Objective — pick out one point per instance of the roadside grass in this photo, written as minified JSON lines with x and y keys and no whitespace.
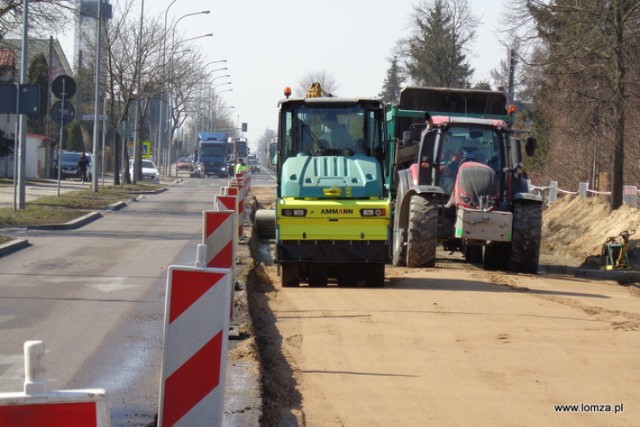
{"x":70,"y":205}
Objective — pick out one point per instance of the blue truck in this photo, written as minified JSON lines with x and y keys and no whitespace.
{"x":211,"y":155}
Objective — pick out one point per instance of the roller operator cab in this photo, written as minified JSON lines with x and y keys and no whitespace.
{"x":332,"y":218}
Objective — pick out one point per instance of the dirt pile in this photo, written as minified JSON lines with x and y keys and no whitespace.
{"x":576,"y":227}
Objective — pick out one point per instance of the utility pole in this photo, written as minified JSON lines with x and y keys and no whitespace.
{"x":22,"y":118}
{"x":96,"y":104}
{"x":136,"y":135}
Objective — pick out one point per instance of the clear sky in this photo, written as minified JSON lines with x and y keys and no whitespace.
{"x":272,"y":44}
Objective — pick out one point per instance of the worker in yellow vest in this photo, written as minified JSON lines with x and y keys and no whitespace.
{"x":241,"y":167}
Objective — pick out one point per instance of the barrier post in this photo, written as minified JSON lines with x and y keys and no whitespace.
{"x":583,"y":187}
{"x":553,"y":191}
{"x":630,"y":195}
{"x":37,"y":406}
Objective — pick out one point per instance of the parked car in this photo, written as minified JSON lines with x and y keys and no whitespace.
{"x":69,"y":161}
{"x":184,"y":164}
{"x":149,"y":171}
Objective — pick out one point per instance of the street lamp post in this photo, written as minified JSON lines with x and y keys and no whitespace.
{"x":172,"y":119}
{"x":211,"y":99}
{"x":163,"y":146}
{"x":212,"y":96}
{"x":162,"y":88}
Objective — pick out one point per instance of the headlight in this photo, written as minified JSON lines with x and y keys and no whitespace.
{"x":373,"y":212}
{"x":294,"y":212}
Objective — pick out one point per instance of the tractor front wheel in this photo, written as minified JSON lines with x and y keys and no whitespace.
{"x":422,"y":233}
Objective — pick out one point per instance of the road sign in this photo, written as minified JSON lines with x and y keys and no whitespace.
{"x":63,"y":116}
{"x":101,"y":117}
{"x":29,"y":99}
{"x":63,"y":85}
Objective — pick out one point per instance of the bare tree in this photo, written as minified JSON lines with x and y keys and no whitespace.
{"x":327,"y":83}
{"x":590,"y":47}
{"x":126,"y":65}
{"x":45,"y":16}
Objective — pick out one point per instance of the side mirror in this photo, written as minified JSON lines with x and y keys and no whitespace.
{"x":530,"y":146}
{"x":274,"y":159}
{"x":515,"y":147}
{"x":407,"y":138}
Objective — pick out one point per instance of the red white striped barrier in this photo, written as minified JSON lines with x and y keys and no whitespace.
{"x":235,"y":191}
{"x":225,"y":203}
{"x":245,"y":180}
{"x":219,"y":237}
{"x":38,"y":406}
{"x":218,"y":234}
{"x":195,"y":346}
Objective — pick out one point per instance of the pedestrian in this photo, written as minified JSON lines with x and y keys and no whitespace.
{"x":83,"y":163}
{"x":241,"y":167}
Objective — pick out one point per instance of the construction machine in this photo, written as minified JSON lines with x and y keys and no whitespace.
{"x":459,"y":180}
{"x":331,"y":221}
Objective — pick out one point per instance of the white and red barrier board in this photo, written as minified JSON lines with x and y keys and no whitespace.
{"x":235,"y":191}
{"x":195,"y":346}
{"x":225,"y":203}
{"x":54,"y":409}
{"x":219,"y":236}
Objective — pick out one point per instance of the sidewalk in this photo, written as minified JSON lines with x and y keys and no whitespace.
{"x":36,"y":188}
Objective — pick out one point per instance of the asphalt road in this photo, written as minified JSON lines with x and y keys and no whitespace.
{"x":95,"y":296}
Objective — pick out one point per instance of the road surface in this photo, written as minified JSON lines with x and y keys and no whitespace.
{"x":451,"y":345}
{"x":95,"y":296}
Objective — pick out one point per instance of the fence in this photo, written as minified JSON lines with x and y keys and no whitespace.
{"x":550,"y":193}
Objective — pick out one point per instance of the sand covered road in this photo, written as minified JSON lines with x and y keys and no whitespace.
{"x":458,"y":347}
{"x":453,"y":345}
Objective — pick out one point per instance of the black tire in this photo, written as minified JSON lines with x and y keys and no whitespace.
{"x":318,"y":275}
{"x":374,"y":275}
{"x":265,"y":224}
{"x":422,"y":234}
{"x":526,"y":237}
{"x":473,"y":254}
{"x":347,"y":275}
{"x":399,"y":258}
{"x":290,"y":275}
{"x":399,"y":255}
{"x":496,"y":256}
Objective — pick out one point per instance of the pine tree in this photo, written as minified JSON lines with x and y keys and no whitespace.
{"x":39,"y":75}
{"x":435,"y":54}
{"x":392,"y":83}
{"x":74,"y":139}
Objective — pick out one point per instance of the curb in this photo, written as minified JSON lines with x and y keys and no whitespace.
{"x":18,"y":244}
{"x":13,"y":245}
{"x":623,"y":277}
{"x":71,"y":225}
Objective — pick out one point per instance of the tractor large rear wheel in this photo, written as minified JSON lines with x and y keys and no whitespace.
{"x":526,"y":237}
{"x":422,"y":233}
